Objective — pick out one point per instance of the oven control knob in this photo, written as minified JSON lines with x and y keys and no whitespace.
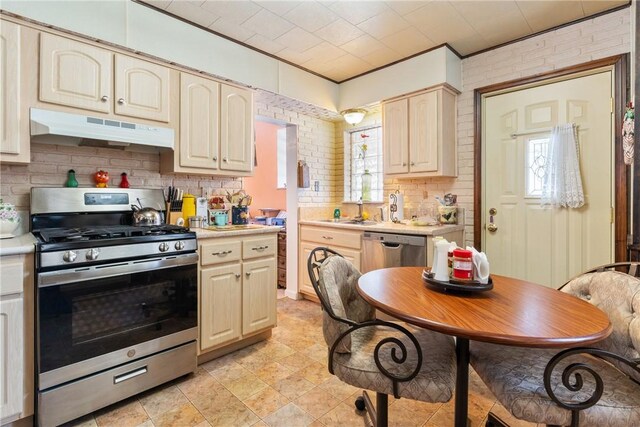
{"x":92,"y":254}
{"x":164,"y":247}
{"x":69,"y":256}
{"x":179,"y":246}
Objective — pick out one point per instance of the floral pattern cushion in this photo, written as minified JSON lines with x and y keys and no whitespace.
{"x":337,"y":280}
{"x":435,"y":381}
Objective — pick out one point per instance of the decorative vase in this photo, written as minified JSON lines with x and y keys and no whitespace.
{"x":71,"y":179}
{"x":366,"y":186}
{"x":9,"y":220}
{"x":124,"y":182}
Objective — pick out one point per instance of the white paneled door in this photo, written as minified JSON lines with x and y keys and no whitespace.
{"x":543,"y":244}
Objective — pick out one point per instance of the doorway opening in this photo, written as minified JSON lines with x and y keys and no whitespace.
{"x":274,"y":191}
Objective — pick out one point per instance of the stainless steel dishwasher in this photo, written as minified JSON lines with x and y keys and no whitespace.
{"x":381,"y":250}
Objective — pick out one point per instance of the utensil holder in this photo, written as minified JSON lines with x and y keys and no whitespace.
{"x":172,"y":216}
{"x":239,"y":215}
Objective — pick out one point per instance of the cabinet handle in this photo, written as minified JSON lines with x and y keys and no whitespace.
{"x":104,"y":98}
{"x":120,"y":101}
{"x":327,"y":237}
{"x":259,"y":248}
{"x":238,"y":275}
{"x":215,"y":158}
{"x":224,"y":159}
{"x":404,"y":164}
{"x":248,"y":273}
{"x":413,"y":163}
{"x":221,"y":253}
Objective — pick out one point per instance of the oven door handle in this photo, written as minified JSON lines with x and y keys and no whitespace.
{"x":83,"y":274}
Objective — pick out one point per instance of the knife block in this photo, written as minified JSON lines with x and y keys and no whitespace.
{"x":173,"y":216}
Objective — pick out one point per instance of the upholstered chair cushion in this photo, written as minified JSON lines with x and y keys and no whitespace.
{"x":435,"y":381}
{"x":337,"y":281}
{"x":515,"y":376}
{"x":618,"y":295}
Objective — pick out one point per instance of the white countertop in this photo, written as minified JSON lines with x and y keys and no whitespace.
{"x":390,"y":227}
{"x":22,"y":244}
{"x":204,"y":233}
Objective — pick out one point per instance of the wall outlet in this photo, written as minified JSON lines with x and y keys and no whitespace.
{"x":316,"y":186}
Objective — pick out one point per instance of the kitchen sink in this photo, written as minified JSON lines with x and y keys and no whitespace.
{"x":349,"y":221}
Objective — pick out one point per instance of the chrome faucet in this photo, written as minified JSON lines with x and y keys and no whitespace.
{"x":360,"y":208}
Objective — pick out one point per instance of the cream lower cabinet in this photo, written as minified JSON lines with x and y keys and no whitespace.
{"x":347,"y":243}
{"x":419,"y":134}
{"x":16,"y":337}
{"x":237,"y":289}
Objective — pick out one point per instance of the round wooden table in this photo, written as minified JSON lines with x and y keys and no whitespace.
{"x":514,"y":312}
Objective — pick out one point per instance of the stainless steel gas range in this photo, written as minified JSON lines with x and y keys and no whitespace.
{"x":116,"y":304}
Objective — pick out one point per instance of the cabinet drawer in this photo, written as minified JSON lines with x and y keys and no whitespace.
{"x":217,"y":252}
{"x":11,"y":275}
{"x":331,"y":237}
{"x":258,"y":247}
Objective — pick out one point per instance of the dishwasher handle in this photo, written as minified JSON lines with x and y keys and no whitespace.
{"x":392,"y":246}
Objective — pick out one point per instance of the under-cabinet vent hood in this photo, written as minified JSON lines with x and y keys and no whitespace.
{"x":64,"y":128}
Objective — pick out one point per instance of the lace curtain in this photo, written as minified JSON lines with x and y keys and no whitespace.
{"x":562,"y":181}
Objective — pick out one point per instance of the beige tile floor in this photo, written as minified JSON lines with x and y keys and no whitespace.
{"x":281,"y":382}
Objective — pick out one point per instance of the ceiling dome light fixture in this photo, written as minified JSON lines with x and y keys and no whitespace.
{"x":353,"y":116}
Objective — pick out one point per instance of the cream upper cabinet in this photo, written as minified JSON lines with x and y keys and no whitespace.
{"x":259,"y":286}
{"x":423,"y":130}
{"x":141,"y":89}
{"x":395,"y":139}
{"x":199,"y":122}
{"x":236,"y":129}
{"x":75,"y":74}
{"x":419,"y":134}
{"x":87,"y":77}
{"x":14,"y":144}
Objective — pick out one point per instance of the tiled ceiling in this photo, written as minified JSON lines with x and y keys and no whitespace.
{"x":343,"y":39}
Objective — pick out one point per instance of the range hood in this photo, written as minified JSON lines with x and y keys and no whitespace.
{"x":63,"y":128}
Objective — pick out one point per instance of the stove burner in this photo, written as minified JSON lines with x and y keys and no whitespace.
{"x":61,"y":235}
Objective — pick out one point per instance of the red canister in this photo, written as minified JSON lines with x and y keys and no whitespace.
{"x":462,"y":264}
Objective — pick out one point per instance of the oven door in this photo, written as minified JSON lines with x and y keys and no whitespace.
{"x":94,"y":318}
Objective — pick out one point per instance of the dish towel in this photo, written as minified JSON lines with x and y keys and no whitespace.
{"x":562,"y":181}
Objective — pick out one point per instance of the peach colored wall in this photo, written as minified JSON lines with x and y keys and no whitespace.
{"x":262,"y":185}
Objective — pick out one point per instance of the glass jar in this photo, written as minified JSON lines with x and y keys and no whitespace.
{"x":366,"y":186}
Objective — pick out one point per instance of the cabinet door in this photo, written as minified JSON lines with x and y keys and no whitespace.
{"x":258,"y":295}
{"x":11,"y":359}
{"x":10,"y":140}
{"x":236,"y":129}
{"x":199,"y":122}
{"x":395,"y":136}
{"x":423,"y":132}
{"x":305,"y":249}
{"x":75,"y":74}
{"x":141,"y":89}
{"x":220,"y":303}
